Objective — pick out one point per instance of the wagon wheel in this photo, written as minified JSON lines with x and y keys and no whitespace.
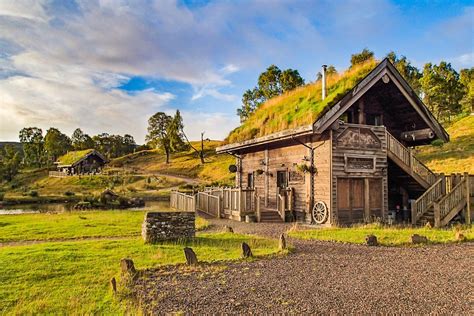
{"x":320,"y":212}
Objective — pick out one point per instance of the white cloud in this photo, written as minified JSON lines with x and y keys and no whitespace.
{"x":215,"y":125}
{"x":464,"y":60}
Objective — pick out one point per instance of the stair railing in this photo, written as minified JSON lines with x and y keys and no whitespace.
{"x":450,"y":201}
{"x":425,"y":201}
{"x":406,"y":156}
{"x":281,"y":202}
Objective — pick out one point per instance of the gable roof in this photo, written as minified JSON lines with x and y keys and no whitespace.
{"x":331,"y":113}
{"x":74,"y":157}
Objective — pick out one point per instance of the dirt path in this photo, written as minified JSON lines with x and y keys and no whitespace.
{"x":319,"y":277}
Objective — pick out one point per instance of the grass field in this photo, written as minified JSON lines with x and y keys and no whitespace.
{"x":455,"y":156}
{"x":386,"y":236}
{"x":72,"y":277}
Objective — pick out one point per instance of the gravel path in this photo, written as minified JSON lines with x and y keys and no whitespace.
{"x":318,"y":277}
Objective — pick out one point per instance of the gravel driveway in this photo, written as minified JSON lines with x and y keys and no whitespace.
{"x":318,"y":277}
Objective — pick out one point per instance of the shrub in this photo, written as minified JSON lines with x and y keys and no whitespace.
{"x":131,"y":189}
{"x":437,"y":143}
{"x":33,"y":193}
{"x":69,"y":193}
{"x":2,"y":194}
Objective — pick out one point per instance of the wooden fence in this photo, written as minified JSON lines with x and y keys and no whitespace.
{"x":182,"y":201}
{"x":58,"y":174}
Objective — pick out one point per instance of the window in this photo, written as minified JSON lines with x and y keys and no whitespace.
{"x":374,"y":119}
{"x":250,"y":183}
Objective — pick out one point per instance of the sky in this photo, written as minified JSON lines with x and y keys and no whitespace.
{"x":107,"y":66}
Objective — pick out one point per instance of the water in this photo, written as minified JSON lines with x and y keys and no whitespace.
{"x":68,"y":207}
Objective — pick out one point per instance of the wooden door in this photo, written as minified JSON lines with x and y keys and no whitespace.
{"x":375,"y":197}
{"x":350,"y":200}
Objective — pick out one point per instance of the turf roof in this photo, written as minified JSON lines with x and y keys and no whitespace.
{"x":299,"y":107}
{"x":73,"y":157}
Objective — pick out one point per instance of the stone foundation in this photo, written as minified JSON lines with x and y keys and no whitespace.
{"x":161,"y":226}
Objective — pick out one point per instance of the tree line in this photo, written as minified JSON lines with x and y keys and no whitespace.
{"x":41,"y":151}
{"x":445,"y":92}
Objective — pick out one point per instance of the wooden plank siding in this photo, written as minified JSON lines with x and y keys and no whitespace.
{"x":285,"y":158}
{"x":346,"y":148}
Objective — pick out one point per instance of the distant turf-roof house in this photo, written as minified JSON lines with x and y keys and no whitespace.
{"x":340,"y":157}
{"x":80,"y":162}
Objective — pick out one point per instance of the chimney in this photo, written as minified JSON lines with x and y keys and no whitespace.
{"x":323,"y":72}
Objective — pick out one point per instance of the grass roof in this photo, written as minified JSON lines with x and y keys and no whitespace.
{"x":73,"y":156}
{"x":299,"y":107}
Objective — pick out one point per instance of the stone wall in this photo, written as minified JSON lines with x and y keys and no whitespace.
{"x":160,"y":226}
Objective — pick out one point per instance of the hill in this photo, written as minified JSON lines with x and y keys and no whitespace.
{"x":301,"y":106}
{"x":185,"y":164}
{"x":455,"y":156}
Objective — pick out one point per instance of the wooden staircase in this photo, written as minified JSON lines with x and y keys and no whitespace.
{"x":270,"y":216}
{"x":444,"y":197}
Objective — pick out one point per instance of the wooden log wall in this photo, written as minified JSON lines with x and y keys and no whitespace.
{"x":359,"y":172}
{"x":285,"y":158}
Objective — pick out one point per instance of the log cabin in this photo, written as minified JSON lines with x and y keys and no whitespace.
{"x":79,"y":162}
{"x":353,"y":164}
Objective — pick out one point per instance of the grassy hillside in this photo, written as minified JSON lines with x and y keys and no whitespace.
{"x":455,"y":156}
{"x":182,"y":164}
{"x":144,"y":173}
{"x":299,"y":107}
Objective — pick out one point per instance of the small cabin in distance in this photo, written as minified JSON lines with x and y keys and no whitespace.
{"x":353,"y":164}
{"x":79,"y":162}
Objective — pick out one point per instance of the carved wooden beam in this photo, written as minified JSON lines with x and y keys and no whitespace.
{"x":417,"y":135}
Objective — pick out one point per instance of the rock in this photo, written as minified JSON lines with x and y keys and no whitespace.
{"x":246,"y":252}
{"x":282,"y":242}
{"x":228,"y":229}
{"x":191,"y":258}
{"x":460,"y":236}
{"x":371,"y":240}
{"x":113,"y":283}
{"x":418,"y":239}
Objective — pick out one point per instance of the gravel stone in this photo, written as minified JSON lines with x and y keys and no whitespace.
{"x":317,"y":278}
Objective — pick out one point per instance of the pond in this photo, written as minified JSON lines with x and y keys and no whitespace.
{"x":67,"y":207}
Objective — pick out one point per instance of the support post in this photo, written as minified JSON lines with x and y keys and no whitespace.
{"x":366,"y":199}
{"x":437,"y":215}
{"x":413,"y":212}
{"x":468,"y":199}
{"x":443,"y":184}
{"x":218,"y":206}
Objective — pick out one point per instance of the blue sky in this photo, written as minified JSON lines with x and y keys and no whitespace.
{"x":106,"y":66}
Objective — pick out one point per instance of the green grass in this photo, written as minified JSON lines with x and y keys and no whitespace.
{"x":185,"y":163}
{"x":299,"y":107}
{"x":73,"y":156}
{"x":386,"y":236}
{"x":69,"y":225}
{"x":455,"y":156}
{"x":73,"y":277}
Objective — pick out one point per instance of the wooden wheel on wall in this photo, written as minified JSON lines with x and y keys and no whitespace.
{"x":320,"y":212}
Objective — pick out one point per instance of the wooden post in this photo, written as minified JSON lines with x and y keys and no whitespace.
{"x":468,"y":199}
{"x":443,"y":184}
{"x":366,"y":199}
{"x":437,"y":215}
{"x":218,"y":206}
{"x":258,"y":208}
{"x":413,"y":212}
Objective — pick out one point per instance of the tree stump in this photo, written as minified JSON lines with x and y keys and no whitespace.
{"x":418,"y":239}
{"x":246,"y":252}
{"x":228,"y":229}
{"x":190,"y":255}
{"x":113,"y":283}
{"x":371,"y":240}
{"x":282,"y":242}
{"x":460,"y":236}
{"x":129,"y":273}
